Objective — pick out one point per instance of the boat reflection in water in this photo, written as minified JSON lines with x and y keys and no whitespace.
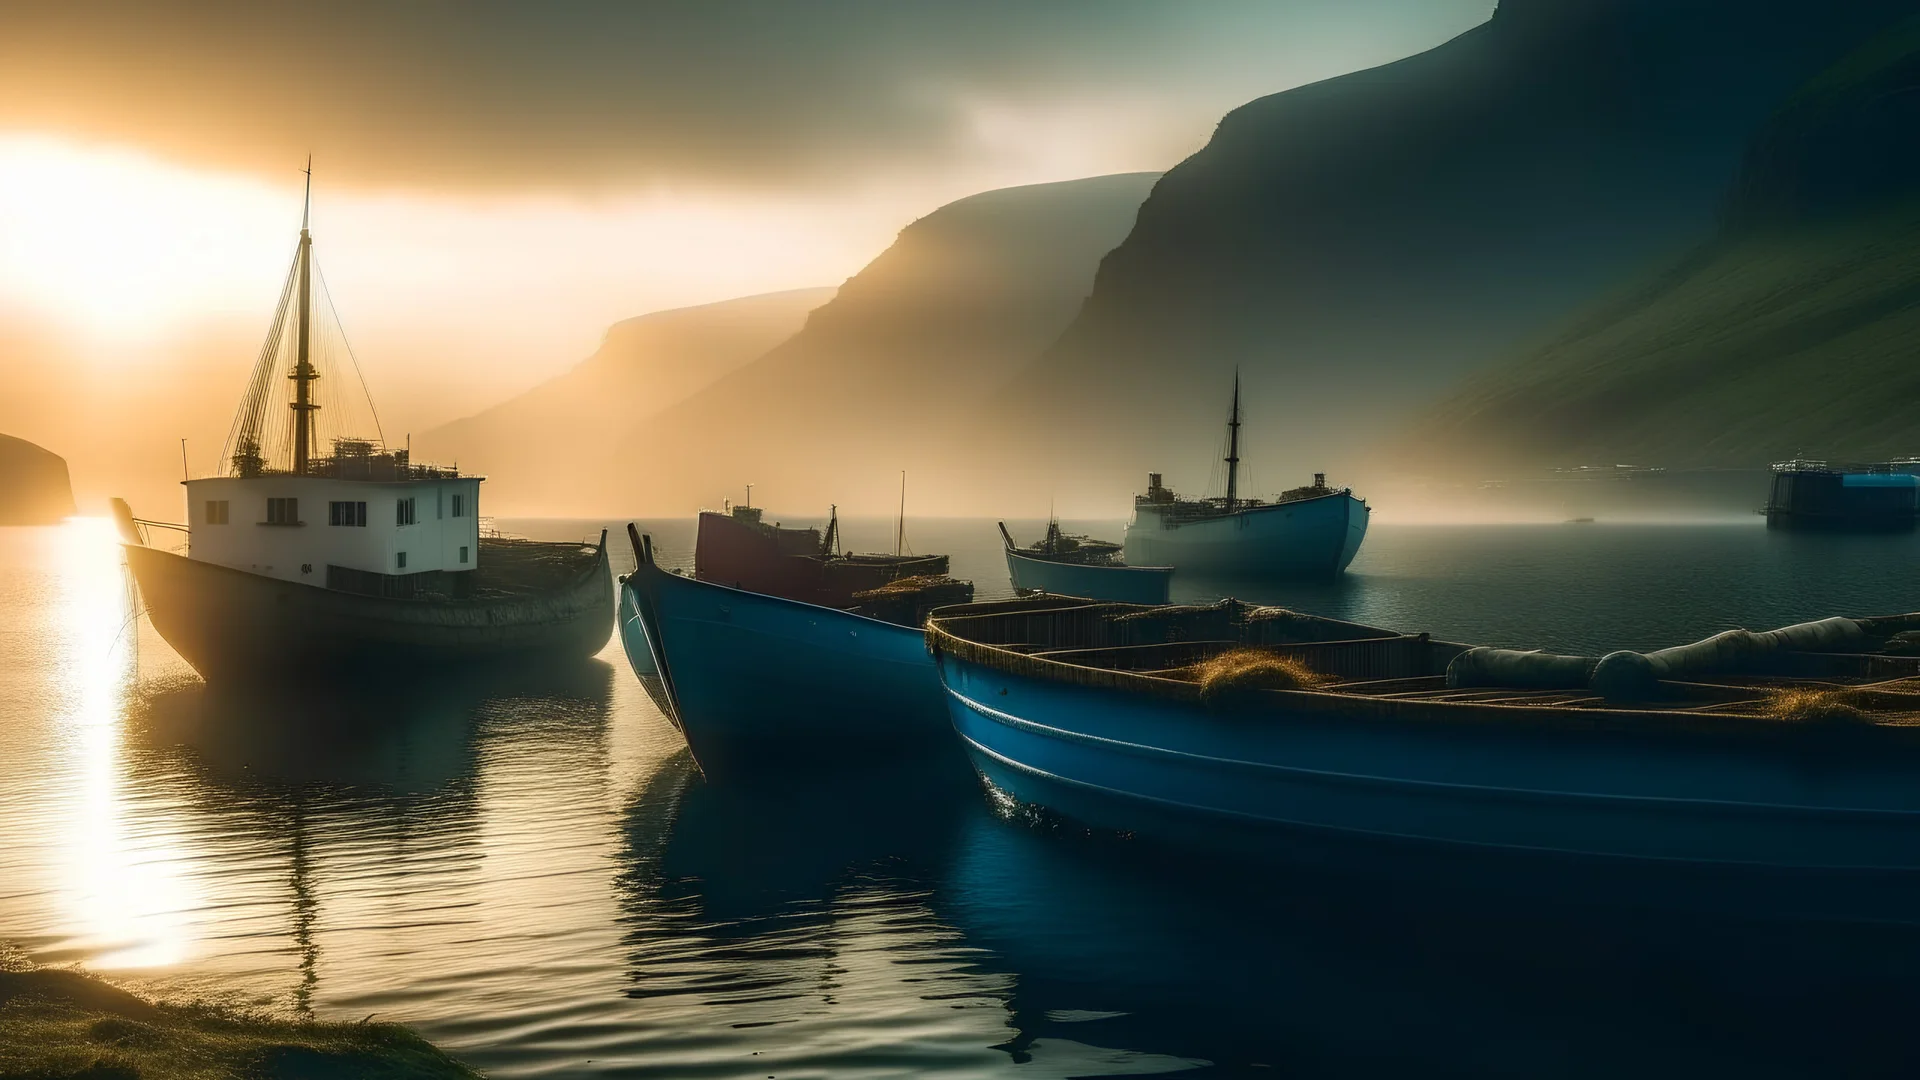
{"x":841,"y":922}
{"x":332,"y":829}
{"x":795,"y":922}
{"x":1309,"y":970}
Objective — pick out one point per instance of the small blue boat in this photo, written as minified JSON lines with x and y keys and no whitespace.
{"x":1079,"y":566}
{"x":747,"y":676}
{"x":1787,"y":758}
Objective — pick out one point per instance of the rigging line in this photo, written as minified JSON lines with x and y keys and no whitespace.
{"x":138,"y":611}
{"x":247,"y":422}
{"x":351,"y":358}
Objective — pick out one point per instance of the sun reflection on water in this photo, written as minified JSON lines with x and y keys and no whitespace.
{"x":129,"y":891}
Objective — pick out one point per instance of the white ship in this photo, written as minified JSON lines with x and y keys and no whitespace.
{"x":302,"y":562}
{"x":1312,"y":531}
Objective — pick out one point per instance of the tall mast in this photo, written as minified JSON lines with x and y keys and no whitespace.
{"x":303,"y":373}
{"x":900,"y":533}
{"x":1233,"y":445}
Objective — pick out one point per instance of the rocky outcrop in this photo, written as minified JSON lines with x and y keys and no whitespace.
{"x":34,"y":486}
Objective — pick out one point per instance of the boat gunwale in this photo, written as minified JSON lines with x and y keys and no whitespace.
{"x":1350,"y":707}
{"x":600,"y":567}
{"x":1031,"y":557}
{"x":1241,"y":511}
{"x":690,"y":579}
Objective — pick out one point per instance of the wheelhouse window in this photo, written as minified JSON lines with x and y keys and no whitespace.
{"x":216,"y":511}
{"x":403,"y":512}
{"x":347,"y":513}
{"x":283,"y":511}
{"x":463,"y":549}
{"x":459,"y":505}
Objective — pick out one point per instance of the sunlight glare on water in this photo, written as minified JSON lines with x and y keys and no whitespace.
{"x":124,"y":876}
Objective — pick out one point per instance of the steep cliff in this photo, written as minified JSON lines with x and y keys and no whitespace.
{"x":1355,"y":245}
{"x":896,"y":371}
{"x":1792,"y":331}
{"x":548,"y":449}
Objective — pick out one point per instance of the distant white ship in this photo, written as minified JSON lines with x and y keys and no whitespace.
{"x":1312,"y":531}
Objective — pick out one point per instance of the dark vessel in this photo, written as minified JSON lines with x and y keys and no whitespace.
{"x":739,"y":549}
{"x":395,"y":573}
{"x":1883,"y":496}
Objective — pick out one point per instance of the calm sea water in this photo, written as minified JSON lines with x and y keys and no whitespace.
{"x":528,"y":868}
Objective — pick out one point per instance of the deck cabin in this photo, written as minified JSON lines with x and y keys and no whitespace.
{"x":362,"y":520}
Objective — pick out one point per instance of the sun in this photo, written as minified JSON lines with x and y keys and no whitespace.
{"x":114,"y":243}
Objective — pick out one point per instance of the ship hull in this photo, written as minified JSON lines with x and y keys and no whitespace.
{"x":788,"y":563}
{"x":1625,"y":818}
{"x":1315,"y":537}
{"x":234,"y":627}
{"x":755,"y":678}
{"x":1123,"y":584}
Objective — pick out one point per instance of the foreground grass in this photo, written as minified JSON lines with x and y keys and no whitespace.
{"x":56,"y":1025}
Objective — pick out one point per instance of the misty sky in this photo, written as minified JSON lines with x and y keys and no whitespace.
{"x":497,"y":183}
{"x":770,"y":94}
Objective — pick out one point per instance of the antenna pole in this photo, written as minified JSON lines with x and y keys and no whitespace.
{"x":184,"y":474}
{"x":900,"y":533}
{"x":1233,"y":445}
{"x":303,"y":373}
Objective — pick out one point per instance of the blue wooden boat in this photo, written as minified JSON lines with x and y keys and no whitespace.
{"x":1791,"y":759}
{"x":1080,"y":566}
{"x":746,"y":676}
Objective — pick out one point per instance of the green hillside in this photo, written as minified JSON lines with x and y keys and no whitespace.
{"x":1356,"y":247}
{"x":1792,"y":332}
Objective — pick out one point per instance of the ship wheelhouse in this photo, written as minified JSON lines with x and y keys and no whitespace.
{"x":415,"y":529}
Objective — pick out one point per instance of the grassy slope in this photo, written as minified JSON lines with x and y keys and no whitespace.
{"x":59,"y":1024}
{"x":1356,"y":247}
{"x":1790,"y":333}
{"x":1757,"y":348}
